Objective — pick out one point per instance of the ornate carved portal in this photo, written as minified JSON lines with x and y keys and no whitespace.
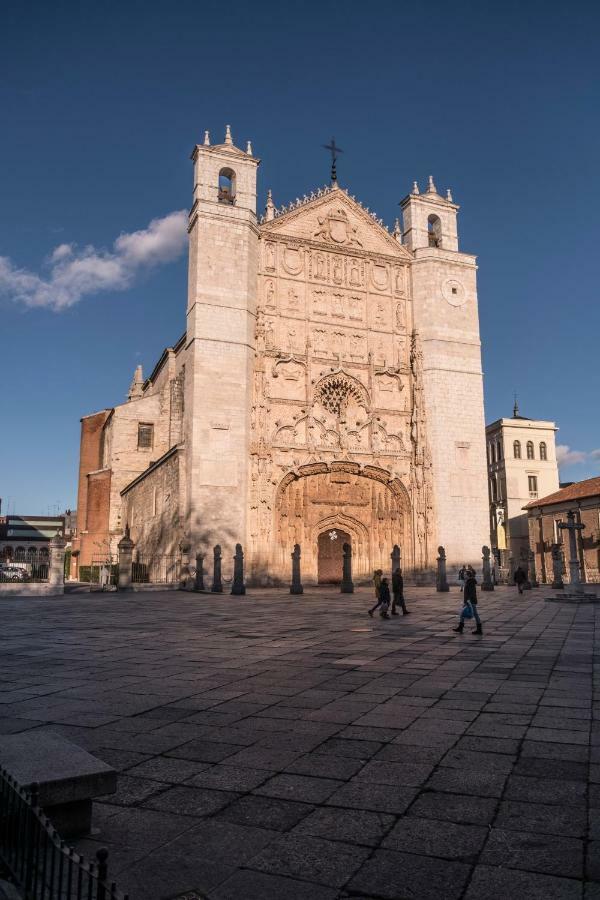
{"x":368,"y":512}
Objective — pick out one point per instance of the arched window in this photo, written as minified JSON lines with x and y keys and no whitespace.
{"x":7,"y":553}
{"x":517,"y":449}
{"x":31,"y":553}
{"x":493,"y":452}
{"x":20,"y":554}
{"x":494,"y":486}
{"x":226,"y":186}
{"x":530,"y":451}
{"x":543,"y":451}
{"x":44,"y":553}
{"x":499,"y":450}
{"x":434,"y":231}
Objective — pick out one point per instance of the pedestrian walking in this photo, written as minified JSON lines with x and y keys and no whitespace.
{"x":377,"y":574}
{"x":377,"y":579}
{"x":469,"y":609}
{"x":384,"y":598}
{"x":462,"y":574}
{"x":520,"y":578}
{"x":398,"y":592}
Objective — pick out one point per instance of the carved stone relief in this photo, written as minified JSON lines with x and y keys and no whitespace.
{"x":336,"y":228}
{"x":270,"y":301}
{"x":292,"y":261}
{"x":400,"y":315}
{"x":270,"y":256}
{"x":319,"y":302}
{"x":381,"y":347}
{"x":380,"y":276}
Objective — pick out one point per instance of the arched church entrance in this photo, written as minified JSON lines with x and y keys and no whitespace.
{"x":330,"y":555}
{"x":364,"y":505}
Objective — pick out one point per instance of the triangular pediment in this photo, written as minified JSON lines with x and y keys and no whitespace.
{"x":335,"y":220}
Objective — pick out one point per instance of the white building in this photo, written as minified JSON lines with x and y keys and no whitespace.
{"x":521,"y":455}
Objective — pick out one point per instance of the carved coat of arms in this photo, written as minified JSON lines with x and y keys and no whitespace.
{"x":336,"y":228}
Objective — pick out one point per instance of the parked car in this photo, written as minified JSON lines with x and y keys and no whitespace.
{"x":12,"y":573}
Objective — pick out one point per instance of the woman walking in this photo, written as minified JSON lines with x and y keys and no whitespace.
{"x":377,"y":585}
{"x":470,"y":604}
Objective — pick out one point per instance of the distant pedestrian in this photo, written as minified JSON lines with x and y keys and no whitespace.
{"x":470,"y":606}
{"x":377,"y":580}
{"x":384,"y":598}
{"x":398,"y":592}
{"x":462,"y":574}
{"x":520,"y":578}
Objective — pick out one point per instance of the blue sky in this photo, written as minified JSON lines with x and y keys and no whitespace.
{"x":102,"y":104}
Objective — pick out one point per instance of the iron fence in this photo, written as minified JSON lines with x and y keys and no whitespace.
{"x":156,"y":570}
{"x":38,"y":861}
{"x":21,"y":572}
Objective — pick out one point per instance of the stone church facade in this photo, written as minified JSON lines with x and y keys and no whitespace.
{"x":327,"y":389}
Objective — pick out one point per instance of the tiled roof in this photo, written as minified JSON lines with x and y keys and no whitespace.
{"x":588,"y":488}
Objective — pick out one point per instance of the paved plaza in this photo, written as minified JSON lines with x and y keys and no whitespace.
{"x":290,"y":747}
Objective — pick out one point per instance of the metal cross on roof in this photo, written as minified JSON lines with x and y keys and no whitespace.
{"x":334,"y":150}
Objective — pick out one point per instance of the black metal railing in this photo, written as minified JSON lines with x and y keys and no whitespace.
{"x":20,"y":571}
{"x":38,"y":861}
{"x":156,"y":570}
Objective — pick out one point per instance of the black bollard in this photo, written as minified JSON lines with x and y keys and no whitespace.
{"x":238,"y":586}
{"x":217,"y":584}
{"x":347,"y":587}
{"x":296,"y":585}
{"x":487,"y":584}
{"x":441,"y":581}
{"x":199,"y":579}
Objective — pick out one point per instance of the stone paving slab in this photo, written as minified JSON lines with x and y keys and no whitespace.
{"x":290,"y":747}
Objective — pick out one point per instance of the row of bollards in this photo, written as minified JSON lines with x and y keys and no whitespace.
{"x":441,"y":579}
{"x":237,"y":583}
{"x":347,"y":584}
{"x":238,"y":586}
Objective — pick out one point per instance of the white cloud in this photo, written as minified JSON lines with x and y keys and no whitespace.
{"x":595,"y":454}
{"x":74,"y":273}
{"x":567,"y":457}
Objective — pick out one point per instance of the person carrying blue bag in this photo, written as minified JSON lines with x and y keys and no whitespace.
{"x":469,"y":610}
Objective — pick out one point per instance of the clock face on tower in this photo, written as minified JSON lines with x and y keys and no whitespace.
{"x":454,"y":292}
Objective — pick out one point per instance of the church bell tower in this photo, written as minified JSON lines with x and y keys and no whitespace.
{"x":221,"y":312}
{"x":446,"y":318}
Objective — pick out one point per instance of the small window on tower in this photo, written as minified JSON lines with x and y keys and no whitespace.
{"x":517,"y":449}
{"x":530,"y":451}
{"x":533,"y":486}
{"x":543,"y":451}
{"x":145,"y":436}
{"x":226,"y":186}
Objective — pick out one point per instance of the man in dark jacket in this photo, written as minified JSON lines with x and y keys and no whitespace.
{"x":520,"y":578}
{"x":398,"y":592}
{"x":470,"y":600}
{"x":384,"y":598}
